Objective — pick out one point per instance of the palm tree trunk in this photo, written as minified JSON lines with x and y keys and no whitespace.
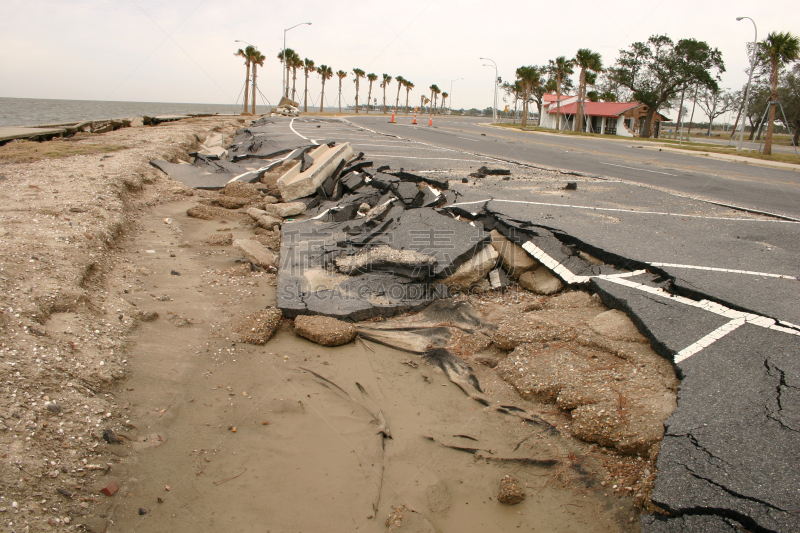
{"x":369,"y":96}
{"x":384,"y":99}
{"x":397,"y":102}
{"x":578,"y":126}
{"x":773,"y":97}
{"x":407,"y":91}
{"x":340,"y":96}
{"x":294,"y":83}
{"x":322,"y":96}
{"x":246,"y":89}
{"x":305,"y":94}
{"x":255,"y":65}
{"x":356,"y":94}
{"x":286,"y":89}
{"x":558,"y":102}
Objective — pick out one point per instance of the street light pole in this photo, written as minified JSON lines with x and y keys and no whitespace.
{"x":284,"y":77}
{"x":451,"y":93}
{"x":749,"y":78}
{"x":494,"y":109}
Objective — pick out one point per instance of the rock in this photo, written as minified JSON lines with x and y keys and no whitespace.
{"x":474,"y":270}
{"x":220,"y":239}
{"x":516,"y":261}
{"x":270,"y":200}
{"x":52,"y":407}
{"x":528,"y":328}
{"x":263,"y":219}
{"x":258,"y":328}
{"x":137,"y":122}
{"x":324,"y":330}
{"x":231,"y":202}
{"x":148,"y":316}
{"x":211,"y":212}
{"x":510,"y":492}
{"x":110,"y":437}
{"x":540,"y":281}
{"x":284,"y":210}
{"x":110,"y":489}
{"x":616,"y":325}
{"x":241,"y":189}
{"x":294,"y":185}
{"x":257,"y":253}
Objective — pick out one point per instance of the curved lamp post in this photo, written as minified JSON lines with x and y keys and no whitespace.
{"x":747,"y":88}
{"x":494,"y":109}
{"x":283,"y":74}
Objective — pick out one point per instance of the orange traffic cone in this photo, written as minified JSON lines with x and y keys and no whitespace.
{"x":392,"y":121}
{"x":415,"y":118}
{"x":430,"y":121}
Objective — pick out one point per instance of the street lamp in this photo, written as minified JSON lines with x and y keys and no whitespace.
{"x":451,"y":93}
{"x":749,"y":78}
{"x":494,"y":109}
{"x":283,"y":74}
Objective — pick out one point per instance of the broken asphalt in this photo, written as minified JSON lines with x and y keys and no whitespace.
{"x":713,"y":288}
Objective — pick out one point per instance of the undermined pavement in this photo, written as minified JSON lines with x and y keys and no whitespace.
{"x":733,"y":350}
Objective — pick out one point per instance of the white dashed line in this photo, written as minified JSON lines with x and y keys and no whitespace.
{"x":639,"y":169}
{"x":728,"y":270}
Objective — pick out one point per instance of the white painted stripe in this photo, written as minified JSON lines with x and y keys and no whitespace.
{"x":728,"y":270}
{"x":639,"y":169}
{"x":291,"y":127}
{"x":708,"y":340}
{"x":404,"y":147}
{"x":395,"y":156}
{"x":609,"y":209}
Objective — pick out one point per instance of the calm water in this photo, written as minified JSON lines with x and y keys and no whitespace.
{"x":34,"y":111}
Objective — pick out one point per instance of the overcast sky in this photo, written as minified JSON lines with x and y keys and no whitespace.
{"x":182,"y":50}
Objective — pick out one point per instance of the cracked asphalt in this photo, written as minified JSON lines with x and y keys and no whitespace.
{"x":714,"y":288}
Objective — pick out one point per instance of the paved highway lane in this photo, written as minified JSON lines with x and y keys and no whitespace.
{"x":753,"y":187}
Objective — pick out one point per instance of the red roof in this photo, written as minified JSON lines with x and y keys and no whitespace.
{"x":597,"y":109}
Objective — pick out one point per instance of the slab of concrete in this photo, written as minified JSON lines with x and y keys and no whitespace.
{"x":306,"y":183}
{"x":9,"y":133}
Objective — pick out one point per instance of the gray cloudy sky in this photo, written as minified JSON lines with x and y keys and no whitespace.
{"x":182,"y":50}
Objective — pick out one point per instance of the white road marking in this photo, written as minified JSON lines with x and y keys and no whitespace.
{"x":728,"y":270}
{"x":640,"y":169}
{"x":708,"y":340}
{"x":612,"y":209}
{"x":291,"y":126}
{"x":425,"y":158}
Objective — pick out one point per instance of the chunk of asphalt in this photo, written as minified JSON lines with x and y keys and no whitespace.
{"x":409,"y":193}
{"x":442,"y":184}
{"x":731,"y":446}
{"x":408,"y":263}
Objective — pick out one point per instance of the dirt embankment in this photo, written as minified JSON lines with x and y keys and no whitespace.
{"x":61,"y":333}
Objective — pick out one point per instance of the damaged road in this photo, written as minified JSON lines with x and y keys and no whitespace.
{"x":375,"y":243}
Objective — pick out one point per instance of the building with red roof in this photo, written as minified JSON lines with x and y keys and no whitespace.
{"x":625,"y":119}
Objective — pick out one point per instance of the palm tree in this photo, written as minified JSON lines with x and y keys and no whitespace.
{"x":308,"y":67}
{"x":408,"y":85}
{"x":561,"y":67}
{"x":528,"y":78}
{"x":435,"y":91}
{"x":325,"y":72}
{"x":444,"y":97}
{"x":386,"y":81}
{"x":295,"y":63}
{"x":359,"y":74}
{"x":341,"y":75}
{"x":371,"y":78}
{"x":778,"y":49}
{"x":284,"y":55}
{"x":247,"y":54}
{"x":400,"y":82}
{"x":591,"y":61}
{"x":257,"y":60}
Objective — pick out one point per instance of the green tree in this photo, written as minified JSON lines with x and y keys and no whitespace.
{"x":371,"y":78}
{"x":308,"y":68}
{"x":284,"y":56}
{"x":590,"y":63}
{"x":247,"y":54}
{"x":359,"y":74}
{"x":435,"y":92}
{"x":789,"y":94}
{"x":778,"y":49}
{"x":295,"y":63}
{"x":385,"y":83}
{"x":528,"y":78}
{"x":400,"y":82}
{"x":408,"y":85}
{"x":657,"y":70}
{"x":257,"y":60}
{"x":714,"y":104}
{"x":341,"y":75}
{"x":325,"y":72}
{"x":560,"y":68}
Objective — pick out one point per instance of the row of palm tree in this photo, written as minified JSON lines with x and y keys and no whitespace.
{"x":252,"y":57}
